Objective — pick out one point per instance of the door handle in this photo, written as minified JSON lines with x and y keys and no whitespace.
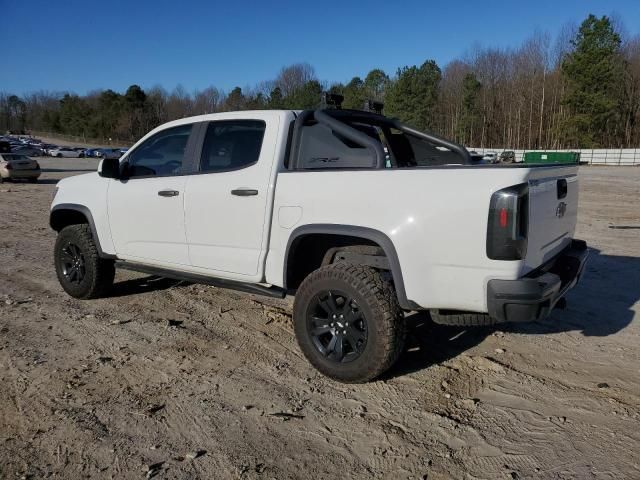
{"x":168,"y":193}
{"x":244,"y":192}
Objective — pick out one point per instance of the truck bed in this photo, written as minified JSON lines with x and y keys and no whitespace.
{"x":436,"y":218}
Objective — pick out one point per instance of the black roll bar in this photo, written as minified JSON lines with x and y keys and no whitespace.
{"x":435,"y":139}
{"x":332,"y":119}
{"x":378,"y":119}
{"x":301,"y":119}
{"x":352,"y":134}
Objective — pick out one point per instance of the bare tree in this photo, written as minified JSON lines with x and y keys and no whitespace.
{"x":293,"y":77}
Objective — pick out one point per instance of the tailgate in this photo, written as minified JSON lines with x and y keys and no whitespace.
{"x":553,"y":212}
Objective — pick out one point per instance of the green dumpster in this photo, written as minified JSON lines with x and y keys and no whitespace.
{"x":551,"y":157}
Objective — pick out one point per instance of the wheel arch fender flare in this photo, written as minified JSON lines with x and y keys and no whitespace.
{"x":60,"y":213}
{"x":366,"y":233}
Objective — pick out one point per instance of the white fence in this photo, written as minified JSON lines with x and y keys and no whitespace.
{"x":597,"y":156}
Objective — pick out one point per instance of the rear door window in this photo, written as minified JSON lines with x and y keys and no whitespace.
{"x":231,"y":145}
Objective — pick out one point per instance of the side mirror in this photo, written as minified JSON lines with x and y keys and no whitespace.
{"x":109,"y":168}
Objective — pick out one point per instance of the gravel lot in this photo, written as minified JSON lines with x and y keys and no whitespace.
{"x":185,"y":381}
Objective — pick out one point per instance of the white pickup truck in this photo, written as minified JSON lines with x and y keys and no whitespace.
{"x":359,"y":216}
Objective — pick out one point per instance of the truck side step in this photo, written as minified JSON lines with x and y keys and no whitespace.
{"x":456,"y":318}
{"x":256,"y":289}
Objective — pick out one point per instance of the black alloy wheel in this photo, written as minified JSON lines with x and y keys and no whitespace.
{"x":73,"y":263}
{"x":337,"y":327}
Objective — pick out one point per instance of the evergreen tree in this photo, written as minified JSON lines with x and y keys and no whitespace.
{"x":110,"y":107}
{"x":414,"y":95}
{"x":235,"y":100}
{"x":593,"y":71}
{"x":337,"y":88}
{"x":276,"y":101}
{"x":135,"y":101}
{"x":305,"y":97}
{"x":17,"y":110}
{"x":135,"y":97}
{"x":354,"y":94}
{"x":470,"y":117}
{"x":74,"y":115}
{"x":375,"y":84}
{"x":257,"y":102}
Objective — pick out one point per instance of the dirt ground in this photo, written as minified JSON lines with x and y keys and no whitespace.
{"x":170,"y":380}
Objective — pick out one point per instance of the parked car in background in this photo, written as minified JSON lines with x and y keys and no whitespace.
{"x":476,"y":158}
{"x":80,"y":150}
{"x":109,"y":153}
{"x":28,"y":150}
{"x":89,"y":152}
{"x":63,"y":152}
{"x":508,"y":156}
{"x":14,"y":166}
{"x":98,"y":152}
{"x":47,"y":147}
{"x":491,"y":157}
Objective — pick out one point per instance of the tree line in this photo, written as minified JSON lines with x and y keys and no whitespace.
{"x":580,"y":91}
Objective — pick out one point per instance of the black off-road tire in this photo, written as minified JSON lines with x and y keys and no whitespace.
{"x":98,"y":272}
{"x":461,"y":319}
{"x":378,"y":303}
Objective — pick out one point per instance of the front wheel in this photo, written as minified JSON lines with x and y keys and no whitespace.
{"x":81,"y":272}
{"x":348,"y":322}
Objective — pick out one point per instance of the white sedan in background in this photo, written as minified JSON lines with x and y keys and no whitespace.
{"x":63,"y":152}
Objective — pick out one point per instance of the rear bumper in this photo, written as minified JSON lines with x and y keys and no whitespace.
{"x":533,"y":297}
{"x":21,"y":174}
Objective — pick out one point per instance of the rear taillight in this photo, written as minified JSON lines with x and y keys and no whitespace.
{"x":508,"y":223}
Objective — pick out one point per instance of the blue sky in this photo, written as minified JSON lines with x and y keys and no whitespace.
{"x":80,"y":46}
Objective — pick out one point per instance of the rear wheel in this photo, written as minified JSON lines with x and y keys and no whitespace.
{"x":348,"y":322}
{"x":81,"y":272}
